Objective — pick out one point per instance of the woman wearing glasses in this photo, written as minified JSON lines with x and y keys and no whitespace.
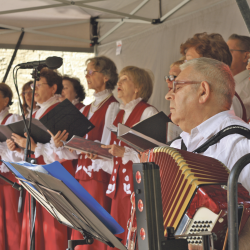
{"x":49,"y":233}
{"x":10,"y":219}
{"x":101,"y":75}
{"x":135,"y":87}
{"x":27,"y":99}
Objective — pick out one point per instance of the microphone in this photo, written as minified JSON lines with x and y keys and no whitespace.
{"x":52,"y":62}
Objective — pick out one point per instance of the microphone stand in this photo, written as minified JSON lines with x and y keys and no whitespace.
{"x":27,"y":158}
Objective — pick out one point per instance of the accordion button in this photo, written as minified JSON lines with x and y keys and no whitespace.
{"x":199,"y":222}
{"x":206,"y":229}
{"x":192,"y":242}
{"x":194,"y":230}
{"x":191,"y":230}
{"x":203,"y":222}
{"x":195,"y":222}
{"x":210,"y":222}
{"x":202,"y":230}
{"x":200,"y":242}
{"x":206,"y":221}
{"x":193,"y":225}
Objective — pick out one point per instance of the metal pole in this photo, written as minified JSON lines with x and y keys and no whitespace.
{"x":13,"y":56}
{"x":245,"y":12}
{"x":232,"y":201}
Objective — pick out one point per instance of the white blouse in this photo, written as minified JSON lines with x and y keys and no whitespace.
{"x":46,"y":150}
{"x":130,"y":154}
{"x":5,"y":153}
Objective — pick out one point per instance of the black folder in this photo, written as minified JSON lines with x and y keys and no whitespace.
{"x":147,"y":134}
{"x":65,"y":116}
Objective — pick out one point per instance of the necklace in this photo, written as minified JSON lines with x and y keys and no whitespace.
{"x":100,"y":104}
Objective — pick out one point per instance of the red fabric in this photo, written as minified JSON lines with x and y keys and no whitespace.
{"x":49,"y":233}
{"x":122,"y":175}
{"x":10,"y":219}
{"x":244,"y":115}
{"x":95,"y":183}
{"x":79,"y":105}
{"x":98,"y":120}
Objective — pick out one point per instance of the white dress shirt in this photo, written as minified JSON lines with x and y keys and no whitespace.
{"x":242,"y":87}
{"x":5,"y":153}
{"x":228,"y":150}
{"x":130,"y":154}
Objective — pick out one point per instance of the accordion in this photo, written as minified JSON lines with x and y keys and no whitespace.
{"x":194,"y":194}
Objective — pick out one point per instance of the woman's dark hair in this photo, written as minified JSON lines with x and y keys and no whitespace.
{"x":107,"y":67}
{"x":25,"y":87}
{"x":52,"y":77}
{"x":7,"y":92}
{"x":79,"y":89}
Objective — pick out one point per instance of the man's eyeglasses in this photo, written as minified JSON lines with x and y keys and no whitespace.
{"x":175,"y":83}
{"x":28,"y":92}
{"x":170,"y":78}
{"x":90,"y":72}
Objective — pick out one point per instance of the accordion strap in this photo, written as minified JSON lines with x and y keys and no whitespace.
{"x":233,"y":129}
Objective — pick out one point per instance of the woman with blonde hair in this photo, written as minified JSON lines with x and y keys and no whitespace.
{"x":134,"y":87}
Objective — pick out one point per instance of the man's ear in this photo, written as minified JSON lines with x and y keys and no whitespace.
{"x":204,"y":92}
{"x":247,"y":54}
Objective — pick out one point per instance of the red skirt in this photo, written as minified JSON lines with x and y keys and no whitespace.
{"x":120,"y":211}
{"x":98,"y":190}
{"x":10,"y":219}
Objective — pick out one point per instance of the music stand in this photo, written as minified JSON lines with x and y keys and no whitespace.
{"x":76,"y":209}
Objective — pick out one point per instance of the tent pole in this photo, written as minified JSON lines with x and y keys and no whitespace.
{"x":160,"y":10}
{"x":13,"y":56}
{"x":245,"y":12}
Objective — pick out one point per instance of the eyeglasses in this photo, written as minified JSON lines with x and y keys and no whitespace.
{"x":90,"y":72}
{"x":241,"y":50}
{"x":175,"y":83}
{"x":38,"y":85}
{"x":29,"y":92}
{"x":170,"y":78}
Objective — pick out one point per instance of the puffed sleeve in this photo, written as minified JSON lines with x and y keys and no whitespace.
{"x":107,"y":165}
{"x":110,"y":116}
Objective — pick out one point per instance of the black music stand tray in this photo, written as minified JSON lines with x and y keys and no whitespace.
{"x":63,"y":204}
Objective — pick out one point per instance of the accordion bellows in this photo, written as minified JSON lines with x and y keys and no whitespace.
{"x":181,"y":173}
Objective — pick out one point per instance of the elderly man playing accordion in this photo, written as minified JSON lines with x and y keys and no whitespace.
{"x":200,"y":100}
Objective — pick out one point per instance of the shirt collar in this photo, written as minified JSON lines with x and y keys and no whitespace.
{"x":208,"y":128}
{"x":241,"y":76}
{"x":100,"y":96}
{"x":130,"y":105}
{"x":52,"y":100}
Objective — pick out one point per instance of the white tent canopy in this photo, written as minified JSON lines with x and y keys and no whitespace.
{"x":65,"y":25}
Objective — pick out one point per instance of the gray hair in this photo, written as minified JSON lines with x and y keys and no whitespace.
{"x":217,"y":74}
